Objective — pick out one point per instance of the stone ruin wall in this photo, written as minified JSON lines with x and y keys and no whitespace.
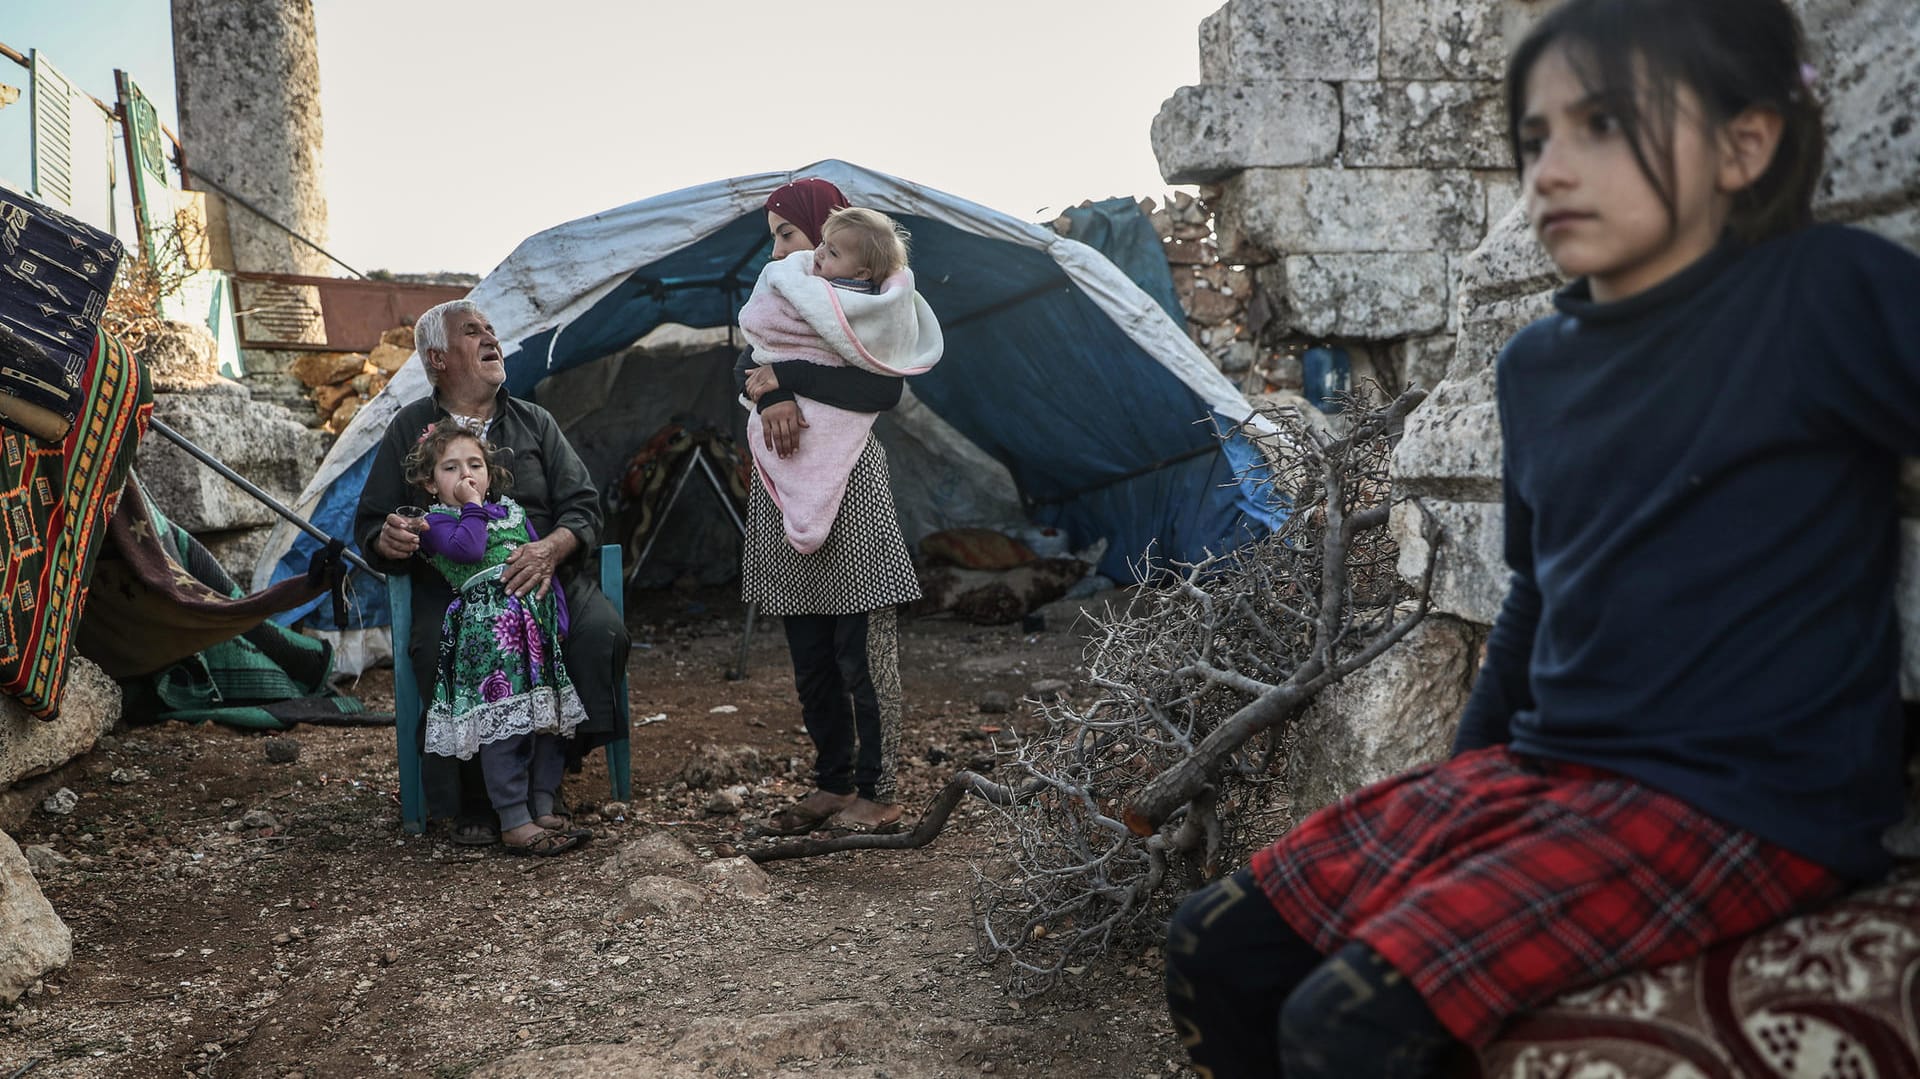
{"x":1355,"y":162}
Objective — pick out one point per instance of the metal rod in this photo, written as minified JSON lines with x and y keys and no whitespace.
{"x":248,"y":486}
{"x":201,"y":177}
{"x":720,"y":488}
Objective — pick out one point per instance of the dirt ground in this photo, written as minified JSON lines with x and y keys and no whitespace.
{"x":325,"y":942}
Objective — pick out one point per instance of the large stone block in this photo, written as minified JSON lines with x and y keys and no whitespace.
{"x":1331,"y":210}
{"x":34,"y":942}
{"x":1372,"y":296}
{"x":1502,"y":187}
{"x":1297,"y":39}
{"x":1486,"y":329}
{"x":1866,"y":54}
{"x":1470,"y":574}
{"x":1207,"y":133}
{"x":180,"y":357}
{"x":1452,"y":39}
{"x":1435,"y":125}
{"x":1396,"y":712}
{"x":259,"y":441}
{"x":1423,"y":361}
{"x":1451,"y":445}
{"x":1509,"y":261}
{"x":1216,"y":46}
{"x":89,"y":707}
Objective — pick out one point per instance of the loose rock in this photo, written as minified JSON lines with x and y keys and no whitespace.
{"x":283,"y":750}
{"x":648,"y":854}
{"x":726,"y":802}
{"x":127,"y":776}
{"x":718,"y":766}
{"x":738,"y":875}
{"x":659,"y":895}
{"x":994,"y":701}
{"x":44,"y":859}
{"x":259,"y":818}
{"x":1047,"y":689}
{"x":60,"y":803}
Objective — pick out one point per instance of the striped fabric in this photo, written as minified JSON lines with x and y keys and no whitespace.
{"x":55,"y":502}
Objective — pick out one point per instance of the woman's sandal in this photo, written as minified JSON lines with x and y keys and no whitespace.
{"x":808,"y":813}
{"x":545,"y":845}
{"x":869,"y":818}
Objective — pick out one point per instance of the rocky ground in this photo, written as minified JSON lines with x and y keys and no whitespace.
{"x":238,"y":914}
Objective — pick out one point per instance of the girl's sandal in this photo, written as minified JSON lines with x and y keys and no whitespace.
{"x":545,"y":845}
{"x":563,"y":824}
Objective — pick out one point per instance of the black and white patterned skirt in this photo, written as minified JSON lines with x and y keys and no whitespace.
{"x":862,"y":566}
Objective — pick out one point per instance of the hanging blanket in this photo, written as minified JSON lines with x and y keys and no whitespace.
{"x":55,"y":500}
{"x":204,"y":650}
{"x":155,"y":576}
{"x":55,"y":273}
{"x":795,"y":316}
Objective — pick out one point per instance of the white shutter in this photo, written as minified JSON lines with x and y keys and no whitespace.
{"x":52,"y":142}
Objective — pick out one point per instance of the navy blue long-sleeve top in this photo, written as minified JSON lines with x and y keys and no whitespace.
{"x":1700,"y":493}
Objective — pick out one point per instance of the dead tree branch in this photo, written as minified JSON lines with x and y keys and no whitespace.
{"x":932,"y":820}
{"x":1167,"y":773}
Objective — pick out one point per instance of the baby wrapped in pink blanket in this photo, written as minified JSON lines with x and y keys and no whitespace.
{"x":796,"y":315}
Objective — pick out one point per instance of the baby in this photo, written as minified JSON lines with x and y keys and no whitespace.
{"x":848,"y":302}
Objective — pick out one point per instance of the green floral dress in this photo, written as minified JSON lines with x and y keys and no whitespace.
{"x":500,"y":669}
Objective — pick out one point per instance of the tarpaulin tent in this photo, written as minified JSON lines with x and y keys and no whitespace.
{"x":1068,"y":394}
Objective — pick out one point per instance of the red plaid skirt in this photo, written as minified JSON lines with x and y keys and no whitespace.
{"x":1496,"y":881}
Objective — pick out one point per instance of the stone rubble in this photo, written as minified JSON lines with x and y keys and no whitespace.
{"x":341,"y":382}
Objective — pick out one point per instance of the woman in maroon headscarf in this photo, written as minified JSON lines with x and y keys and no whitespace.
{"x":837,"y":603}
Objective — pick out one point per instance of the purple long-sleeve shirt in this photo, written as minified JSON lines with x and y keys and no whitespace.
{"x":465,"y":540}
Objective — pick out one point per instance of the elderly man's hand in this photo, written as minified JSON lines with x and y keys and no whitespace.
{"x":531,"y":566}
{"x":396,"y":542}
{"x":782,"y":423}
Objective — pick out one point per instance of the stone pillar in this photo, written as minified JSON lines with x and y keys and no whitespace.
{"x":248,"y":80}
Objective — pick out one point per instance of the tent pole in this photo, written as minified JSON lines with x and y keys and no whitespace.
{"x":699,"y":460}
{"x":272,"y":503}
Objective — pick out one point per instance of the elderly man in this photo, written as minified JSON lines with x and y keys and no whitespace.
{"x":468,"y":374}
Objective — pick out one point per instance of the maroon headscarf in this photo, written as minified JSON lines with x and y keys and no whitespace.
{"x":806,"y":203}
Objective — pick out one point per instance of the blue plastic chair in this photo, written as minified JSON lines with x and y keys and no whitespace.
{"x":407,"y":712}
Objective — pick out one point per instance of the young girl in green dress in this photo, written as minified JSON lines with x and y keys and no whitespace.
{"x":501,"y":690}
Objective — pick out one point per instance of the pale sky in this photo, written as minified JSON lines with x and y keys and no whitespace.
{"x":1018,"y":104}
{"x":552,"y":109}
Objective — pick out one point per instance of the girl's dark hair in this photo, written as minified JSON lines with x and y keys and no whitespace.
{"x":1634,"y":55}
{"x":434,"y":441}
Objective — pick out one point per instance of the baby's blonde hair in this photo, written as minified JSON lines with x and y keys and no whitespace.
{"x":879,"y":243}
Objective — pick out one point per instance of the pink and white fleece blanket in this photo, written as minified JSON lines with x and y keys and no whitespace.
{"x":795,"y":316}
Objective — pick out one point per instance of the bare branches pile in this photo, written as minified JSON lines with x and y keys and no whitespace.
{"x":1163,"y":774}
{"x":142,"y":285}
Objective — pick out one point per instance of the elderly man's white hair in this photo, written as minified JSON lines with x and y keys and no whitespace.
{"x":430,"y":331}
